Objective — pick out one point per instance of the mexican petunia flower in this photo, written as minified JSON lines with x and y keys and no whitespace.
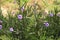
{"x":0,"y":22}
{"x":46,"y":24}
{"x":51,"y":15}
{"x":0,"y":26}
{"x":22,"y":9}
{"x":20,"y":17}
{"x":11,"y":29}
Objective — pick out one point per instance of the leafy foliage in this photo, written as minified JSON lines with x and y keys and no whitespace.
{"x":32,"y":25}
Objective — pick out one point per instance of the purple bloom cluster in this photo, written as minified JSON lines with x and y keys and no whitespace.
{"x":46,"y":24}
{"x":0,"y":22}
{"x":11,"y":29}
{"x":0,"y":26}
{"x":19,"y":17}
{"x":22,"y":9}
{"x":51,"y":15}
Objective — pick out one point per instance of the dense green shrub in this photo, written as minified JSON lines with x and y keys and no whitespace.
{"x":29,"y":24}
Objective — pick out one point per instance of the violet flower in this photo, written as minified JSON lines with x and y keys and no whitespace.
{"x":51,"y":15}
{"x":0,"y":22}
{"x":22,"y":9}
{"x":0,"y":26}
{"x":19,"y":17}
{"x":11,"y":29}
{"x":46,"y":24}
